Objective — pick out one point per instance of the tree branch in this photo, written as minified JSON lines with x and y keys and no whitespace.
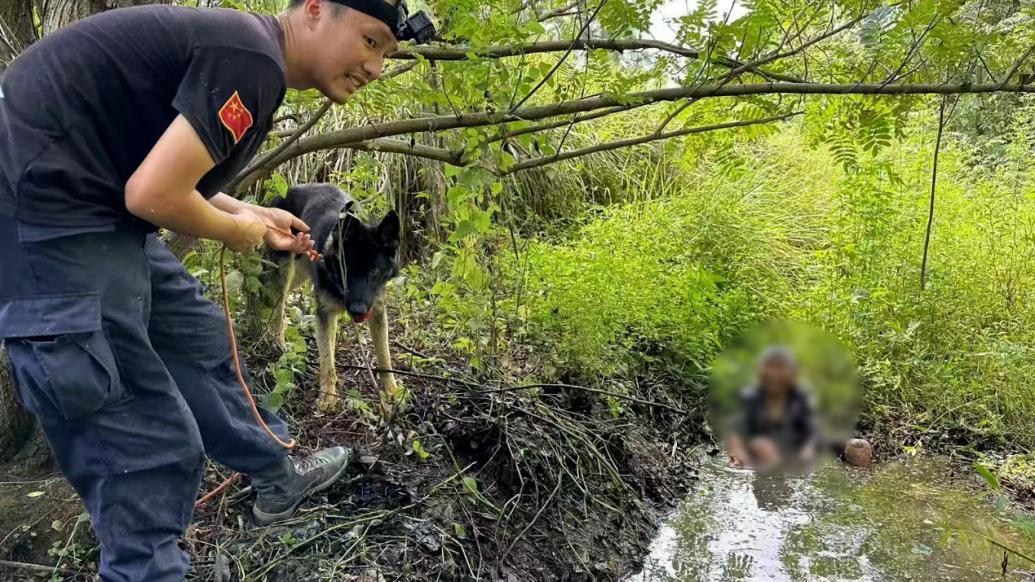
{"x":934,"y":183}
{"x":460,"y":53}
{"x":917,"y":44}
{"x":396,"y":146}
{"x":563,"y":58}
{"x":778,"y":56}
{"x":439,"y":123}
{"x":295,"y":135}
{"x":563,"y":122}
{"x":623,"y":143}
{"x":1015,"y":67}
{"x":563,"y":11}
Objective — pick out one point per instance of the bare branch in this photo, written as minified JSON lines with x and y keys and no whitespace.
{"x":460,"y":53}
{"x":565,"y":11}
{"x":624,"y":143}
{"x":674,"y":115}
{"x":563,"y":122}
{"x":396,"y":146}
{"x":443,"y":53}
{"x":265,"y":159}
{"x":934,"y":184}
{"x":917,"y":44}
{"x":1013,"y":70}
{"x":563,"y":58}
{"x":778,"y":56}
{"x":440,"y":123}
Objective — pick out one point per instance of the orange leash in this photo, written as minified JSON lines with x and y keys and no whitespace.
{"x":240,"y":376}
{"x":222,"y":487}
{"x":237,"y":358}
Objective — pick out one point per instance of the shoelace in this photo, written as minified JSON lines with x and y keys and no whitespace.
{"x":310,"y":464}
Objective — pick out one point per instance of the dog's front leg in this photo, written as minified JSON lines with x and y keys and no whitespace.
{"x":284,"y":281}
{"x":326,"y":332}
{"x":378,"y":325}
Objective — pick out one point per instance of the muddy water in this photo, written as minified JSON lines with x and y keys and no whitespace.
{"x":902,"y":521}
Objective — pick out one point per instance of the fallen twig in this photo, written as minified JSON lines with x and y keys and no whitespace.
{"x":36,"y":568}
{"x":487,"y":390}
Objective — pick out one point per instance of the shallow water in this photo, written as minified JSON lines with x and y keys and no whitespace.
{"x":901,"y":521}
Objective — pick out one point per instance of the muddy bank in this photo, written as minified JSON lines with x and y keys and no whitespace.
{"x":466,"y":482}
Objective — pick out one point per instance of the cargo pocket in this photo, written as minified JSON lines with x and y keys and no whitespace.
{"x":63,"y":362}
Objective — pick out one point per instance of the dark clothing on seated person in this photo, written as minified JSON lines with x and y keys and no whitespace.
{"x":795,"y":428}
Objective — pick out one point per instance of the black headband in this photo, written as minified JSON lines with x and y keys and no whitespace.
{"x":379,"y":9}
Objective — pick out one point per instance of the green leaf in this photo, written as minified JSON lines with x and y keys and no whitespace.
{"x":234,"y":281}
{"x":417,"y":448}
{"x":279,"y":184}
{"x":988,"y":475}
{"x":471,"y":485}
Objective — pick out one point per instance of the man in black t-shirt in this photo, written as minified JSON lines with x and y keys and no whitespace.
{"x":123,"y":123}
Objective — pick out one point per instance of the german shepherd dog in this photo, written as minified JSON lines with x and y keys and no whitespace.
{"x":358,"y":259}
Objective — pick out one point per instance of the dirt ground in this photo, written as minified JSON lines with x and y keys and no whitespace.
{"x":467,"y":482}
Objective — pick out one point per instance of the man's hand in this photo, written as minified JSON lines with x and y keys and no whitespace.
{"x":279,"y":236}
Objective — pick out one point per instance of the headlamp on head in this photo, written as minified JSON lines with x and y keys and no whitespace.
{"x":417,"y":28}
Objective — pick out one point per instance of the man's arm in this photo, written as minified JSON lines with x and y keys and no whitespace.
{"x":162,"y":191}
{"x":228,"y":203}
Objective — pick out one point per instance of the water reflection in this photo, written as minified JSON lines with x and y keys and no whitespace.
{"x":903,"y":521}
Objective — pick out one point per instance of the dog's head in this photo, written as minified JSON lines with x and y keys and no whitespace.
{"x":369,"y":254}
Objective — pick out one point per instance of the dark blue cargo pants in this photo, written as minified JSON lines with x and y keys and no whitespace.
{"x":128,"y":369}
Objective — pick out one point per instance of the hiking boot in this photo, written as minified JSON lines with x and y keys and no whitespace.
{"x":281,"y":487}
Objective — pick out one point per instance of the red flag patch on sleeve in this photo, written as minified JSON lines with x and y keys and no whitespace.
{"x":235,"y":116}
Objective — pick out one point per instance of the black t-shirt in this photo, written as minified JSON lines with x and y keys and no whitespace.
{"x":82,"y":108}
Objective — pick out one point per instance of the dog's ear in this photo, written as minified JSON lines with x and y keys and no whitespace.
{"x":388,"y":231}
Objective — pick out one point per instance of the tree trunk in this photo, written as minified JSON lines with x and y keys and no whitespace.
{"x":20,"y":438}
{"x":16,"y":29}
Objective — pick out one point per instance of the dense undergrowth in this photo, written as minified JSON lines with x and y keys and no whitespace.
{"x":774,"y":228}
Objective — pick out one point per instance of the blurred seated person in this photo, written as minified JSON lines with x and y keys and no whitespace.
{"x":776,"y":426}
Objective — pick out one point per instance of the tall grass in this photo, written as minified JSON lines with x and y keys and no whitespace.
{"x":655,"y":258}
{"x":667,"y":280}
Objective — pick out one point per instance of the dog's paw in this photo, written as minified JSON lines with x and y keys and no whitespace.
{"x":328,"y":402}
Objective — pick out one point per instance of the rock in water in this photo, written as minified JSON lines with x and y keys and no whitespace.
{"x":859,"y":453}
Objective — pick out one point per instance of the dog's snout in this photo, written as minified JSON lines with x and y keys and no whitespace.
{"x":359,"y":310}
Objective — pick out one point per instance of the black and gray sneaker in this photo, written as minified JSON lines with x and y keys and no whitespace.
{"x":281,"y":488}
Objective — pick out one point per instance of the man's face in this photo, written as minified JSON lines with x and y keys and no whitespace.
{"x":347,"y":48}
